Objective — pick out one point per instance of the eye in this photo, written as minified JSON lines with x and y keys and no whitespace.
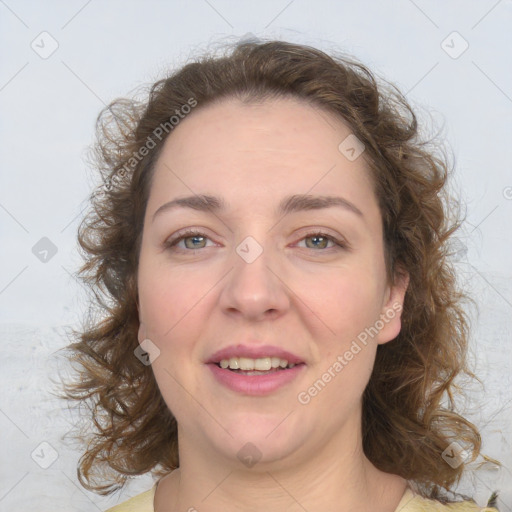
{"x":195,"y":240}
{"x":320,"y":240}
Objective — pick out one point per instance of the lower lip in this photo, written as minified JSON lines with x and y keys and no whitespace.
{"x":256,"y":385}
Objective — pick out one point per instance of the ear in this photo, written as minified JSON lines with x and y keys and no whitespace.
{"x":132,"y":287}
{"x":141,"y":336}
{"x":389,"y":323}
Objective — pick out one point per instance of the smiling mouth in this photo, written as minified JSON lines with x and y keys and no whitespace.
{"x":260,"y":372}
{"x":256,"y":377}
{"x":260,"y":366}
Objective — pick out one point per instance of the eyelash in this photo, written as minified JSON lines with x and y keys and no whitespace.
{"x":171,"y":244}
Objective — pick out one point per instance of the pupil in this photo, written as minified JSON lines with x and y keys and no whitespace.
{"x":194,"y":239}
{"x":318,"y":238}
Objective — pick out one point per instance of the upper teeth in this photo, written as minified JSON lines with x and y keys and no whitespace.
{"x":263,"y":363}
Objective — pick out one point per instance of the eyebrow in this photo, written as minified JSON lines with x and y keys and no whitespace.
{"x":290,"y":204}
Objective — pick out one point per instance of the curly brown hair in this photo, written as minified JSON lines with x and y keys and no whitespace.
{"x":405,"y":425}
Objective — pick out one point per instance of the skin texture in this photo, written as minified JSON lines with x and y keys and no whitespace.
{"x":305,"y":295}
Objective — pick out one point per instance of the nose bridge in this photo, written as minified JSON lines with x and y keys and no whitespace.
{"x":253,"y":286}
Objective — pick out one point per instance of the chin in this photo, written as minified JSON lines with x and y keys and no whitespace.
{"x":262,"y":439}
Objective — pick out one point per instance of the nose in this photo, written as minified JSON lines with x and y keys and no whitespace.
{"x":255,"y":289}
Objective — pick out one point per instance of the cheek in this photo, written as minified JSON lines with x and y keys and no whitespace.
{"x":169,"y":298}
{"x":348,"y":306}
{"x":171,"y":308}
{"x":347,"y":299}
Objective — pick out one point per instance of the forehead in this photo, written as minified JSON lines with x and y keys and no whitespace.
{"x":264,"y":149}
{"x":272,"y":125}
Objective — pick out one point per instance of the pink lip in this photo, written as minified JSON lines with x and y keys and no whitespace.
{"x":254,"y":352}
{"x":255,"y":385}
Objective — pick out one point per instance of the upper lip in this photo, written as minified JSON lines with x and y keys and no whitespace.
{"x":253,"y":352}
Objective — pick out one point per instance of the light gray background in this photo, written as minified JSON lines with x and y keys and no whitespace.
{"x":105,"y":50}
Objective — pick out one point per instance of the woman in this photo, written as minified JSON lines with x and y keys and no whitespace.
{"x":283,"y":320}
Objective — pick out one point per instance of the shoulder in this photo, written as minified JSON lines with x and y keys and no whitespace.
{"x":412,"y":502}
{"x":140,"y":503}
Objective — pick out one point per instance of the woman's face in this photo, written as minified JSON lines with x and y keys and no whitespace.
{"x":264,"y":279}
